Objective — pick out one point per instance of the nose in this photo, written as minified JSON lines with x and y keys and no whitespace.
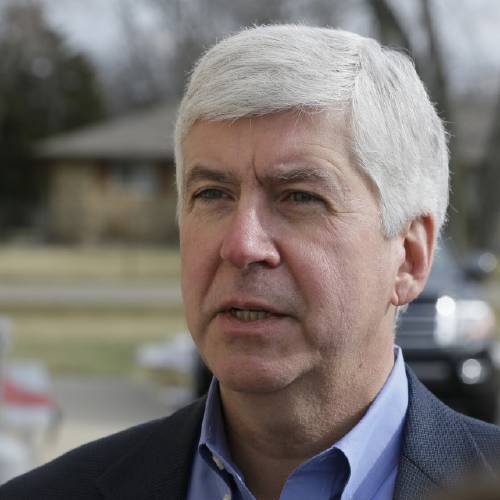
{"x":247,"y":241}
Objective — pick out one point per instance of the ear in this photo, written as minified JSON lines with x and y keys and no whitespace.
{"x":418,"y":250}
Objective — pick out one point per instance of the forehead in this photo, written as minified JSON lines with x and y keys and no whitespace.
{"x":269,"y":141}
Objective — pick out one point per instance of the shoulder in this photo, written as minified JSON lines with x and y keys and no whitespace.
{"x":75,"y":474}
{"x":486,"y":436}
{"x":441,"y":441}
{"x":440,"y":445}
{"x":428,"y":416}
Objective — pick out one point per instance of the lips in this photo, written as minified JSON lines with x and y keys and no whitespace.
{"x":248,"y":310}
{"x":249,"y":314}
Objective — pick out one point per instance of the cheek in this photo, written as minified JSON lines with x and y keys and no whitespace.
{"x":328,"y":265}
{"x":338,"y":279}
{"x":325,"y":283}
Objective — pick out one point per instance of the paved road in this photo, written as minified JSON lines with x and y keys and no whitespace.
{"x":95,"y":407}
{"x":89,"y":294}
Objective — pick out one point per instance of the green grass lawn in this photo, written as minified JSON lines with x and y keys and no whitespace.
{"x":91,"y":343}
{"x":67,"y":264}
{"x":80,"y":340}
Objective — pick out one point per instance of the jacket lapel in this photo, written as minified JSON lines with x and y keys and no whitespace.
{"x":437,"y":446}
{"x":159,"y":467}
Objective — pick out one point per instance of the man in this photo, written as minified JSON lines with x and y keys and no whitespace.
{"x":313,"y":182}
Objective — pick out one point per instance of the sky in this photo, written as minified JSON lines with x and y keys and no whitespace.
{"x":89,"y":25}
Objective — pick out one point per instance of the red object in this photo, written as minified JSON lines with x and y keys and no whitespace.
{"x":15,"y":395}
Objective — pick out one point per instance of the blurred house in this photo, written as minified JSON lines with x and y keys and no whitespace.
{"x":114,"y":181}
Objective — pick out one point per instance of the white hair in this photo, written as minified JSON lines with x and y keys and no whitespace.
{"x":398,"y":140}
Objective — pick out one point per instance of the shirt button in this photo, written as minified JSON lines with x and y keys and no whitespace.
{"x":219,"y":464}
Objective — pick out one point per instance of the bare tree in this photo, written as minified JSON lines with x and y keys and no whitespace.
{"x":44,"y":88}
{"x":487,"y":220}
{"x":146,"y":72}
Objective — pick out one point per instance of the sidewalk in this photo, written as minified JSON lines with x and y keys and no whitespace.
{"x":91,"y":294}
{"x":96,"y":407}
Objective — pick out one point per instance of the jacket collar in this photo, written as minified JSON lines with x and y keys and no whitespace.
{"x":159,"y":467}
{"x":437,"y":446}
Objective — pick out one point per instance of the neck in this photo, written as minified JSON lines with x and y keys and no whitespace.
{"x":271,"y":434}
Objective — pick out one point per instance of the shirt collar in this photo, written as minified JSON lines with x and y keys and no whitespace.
{"x":372,"y":447}
{"x":213,"y":445}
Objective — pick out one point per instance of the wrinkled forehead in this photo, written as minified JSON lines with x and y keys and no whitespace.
{"x":286,"y":128}
{"x":271,"y":138}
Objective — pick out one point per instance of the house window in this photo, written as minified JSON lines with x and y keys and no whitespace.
{"x":137,"y":178}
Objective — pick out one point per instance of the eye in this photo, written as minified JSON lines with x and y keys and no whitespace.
{"x":210,"y":194}
{"x":302,"y":197}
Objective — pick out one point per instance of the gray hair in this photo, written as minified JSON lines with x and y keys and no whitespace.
{"x":398,"y":140}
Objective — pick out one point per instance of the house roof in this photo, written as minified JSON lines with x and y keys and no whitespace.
{"x":141,"y":135}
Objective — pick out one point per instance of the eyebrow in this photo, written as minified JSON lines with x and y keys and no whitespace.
{"x":296,"y":174}
{"x":201,"y":173}
{"x":301,"y":174}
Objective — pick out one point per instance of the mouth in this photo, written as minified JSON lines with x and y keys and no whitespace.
{"x":248,"y":314}
{"x":248,"y":310}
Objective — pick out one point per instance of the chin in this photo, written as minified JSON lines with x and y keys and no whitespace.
{"x":248,"y":378}
{"x":252,"y":386}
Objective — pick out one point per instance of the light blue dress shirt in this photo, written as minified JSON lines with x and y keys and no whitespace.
{"x":361,"y":465}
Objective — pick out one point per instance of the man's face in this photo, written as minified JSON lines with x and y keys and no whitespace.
{"x":285,"y":272}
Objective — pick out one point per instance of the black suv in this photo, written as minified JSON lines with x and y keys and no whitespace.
{"x":447,"y":337}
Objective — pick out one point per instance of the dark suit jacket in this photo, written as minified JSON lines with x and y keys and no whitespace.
{"x":153,"y":460}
